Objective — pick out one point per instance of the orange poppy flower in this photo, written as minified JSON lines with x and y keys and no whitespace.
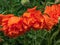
{"x":53,"y":11}
{"x":28,"y":19}
{"x":36,"y":18}
{"x":14,"y":27}
{"x":5,"y":18}
{"x":48,"y":22}
{"x":31,"y":9}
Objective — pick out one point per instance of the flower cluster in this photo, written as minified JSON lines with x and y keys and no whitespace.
{"x":13,"y":26}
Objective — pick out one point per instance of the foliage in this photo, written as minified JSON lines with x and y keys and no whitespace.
{"x":32,"y":37}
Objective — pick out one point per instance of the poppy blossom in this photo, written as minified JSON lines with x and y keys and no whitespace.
{"x":53,"y":11}
{"x":48,"y":22}
{"x":10,"y":28}
{"x":36,"y":18}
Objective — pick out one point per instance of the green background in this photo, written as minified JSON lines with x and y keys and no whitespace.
{"x":39,"y":37}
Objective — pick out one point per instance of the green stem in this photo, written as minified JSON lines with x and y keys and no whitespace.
{"x":49,"y":41}
{"x":24,"y":40}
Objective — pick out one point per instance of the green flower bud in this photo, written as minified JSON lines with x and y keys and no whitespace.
{"x":24,"y":2}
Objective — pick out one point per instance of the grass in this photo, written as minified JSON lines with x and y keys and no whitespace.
{"x":40,"y":37}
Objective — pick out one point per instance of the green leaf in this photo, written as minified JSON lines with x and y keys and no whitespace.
{"x":57,"y":42}
{"x":54,"y":35}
